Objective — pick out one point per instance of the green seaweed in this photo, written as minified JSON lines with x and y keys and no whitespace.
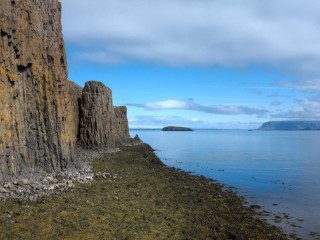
{"x":139,"y":198}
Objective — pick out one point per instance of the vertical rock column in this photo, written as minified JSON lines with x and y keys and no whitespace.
{"x":96,"y":117}
{"x":33,"y":87}
{"x":121,"y":126}
{"x":39,"y":108}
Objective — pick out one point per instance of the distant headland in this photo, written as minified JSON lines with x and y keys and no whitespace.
{"x":290,"y":125}
{"x":174,"y":128}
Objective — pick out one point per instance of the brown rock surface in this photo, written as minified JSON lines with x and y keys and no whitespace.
{"x":101,"y":124}
{"x":121,"y":126}
{"x":39,"y":107}
{"x":70,"y":119}
{"x":96,"y":116}
{"x":33,"y":75}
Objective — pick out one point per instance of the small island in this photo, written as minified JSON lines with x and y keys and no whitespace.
{"x":174,"y":128}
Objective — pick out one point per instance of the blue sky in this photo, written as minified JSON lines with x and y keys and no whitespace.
{"x":202,"y":64}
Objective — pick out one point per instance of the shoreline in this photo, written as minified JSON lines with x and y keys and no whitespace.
{"x":134,"y":195}
{"x":33,"y":183}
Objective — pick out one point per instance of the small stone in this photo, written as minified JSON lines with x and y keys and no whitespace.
{"x":24,"y":181}
{"x":50,"y":179}
{"x":89,"y":178}
{"x":70,"y":183}
{"x":32,"y":198}
{"x":255,"y":206}
{"x":9,"y":186}
{"x":3,"y":190}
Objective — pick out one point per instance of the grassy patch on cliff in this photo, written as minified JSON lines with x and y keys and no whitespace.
{"x":134,"y":196}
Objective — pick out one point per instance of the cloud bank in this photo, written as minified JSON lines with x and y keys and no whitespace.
{"x":309,"y":85}
{"x":198,"y":33}
{"x":162,"y":121}
{"x":191,"y":105}
{"x":308,"y":108}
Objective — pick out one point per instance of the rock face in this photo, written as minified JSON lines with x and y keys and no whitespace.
{"x":120,"y":123}
{"x":101,"y":124}
{"x":33,"y":73}
{"x":290,"y":125}
{"x":39,"y":107}
{"x":96,"y":116}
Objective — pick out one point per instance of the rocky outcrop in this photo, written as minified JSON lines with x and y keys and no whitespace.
{"x":96,"y":116}
{"x":39,"y":107}
{"x":101,"y":124}
{"x":70,"y":120}
{"x":33,"y":74}
{"x":120,"y":124}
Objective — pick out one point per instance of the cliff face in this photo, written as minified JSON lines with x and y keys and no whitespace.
{"x":101,"y":124}
{"x":96,"y":116}
{"x":33,"y":73}
{"x":39,"y":107}
{"x":120,"y":124}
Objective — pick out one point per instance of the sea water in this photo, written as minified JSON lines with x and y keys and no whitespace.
{"x":279,"y":170}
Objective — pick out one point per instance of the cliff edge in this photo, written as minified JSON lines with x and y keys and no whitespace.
{"x":43,"y":115}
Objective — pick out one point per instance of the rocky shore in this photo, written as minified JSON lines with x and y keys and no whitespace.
{"x":127,"y":194}
{"x":34,"y":183}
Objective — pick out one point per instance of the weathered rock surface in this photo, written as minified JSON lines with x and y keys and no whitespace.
{"x":96,"y":116}
{"x":39,"y":107}
{"x":120,"y":123}
{"x":70,"y":120}
{"x":33,"y":74}
{"x":101,"y":124}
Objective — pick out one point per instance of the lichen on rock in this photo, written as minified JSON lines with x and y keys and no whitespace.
{"x":33,"y":74}
{"x":39,"y":107}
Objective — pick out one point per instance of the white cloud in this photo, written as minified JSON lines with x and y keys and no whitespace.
{"x":307,"y":109}
{"x":167,"y":104}
{"x":191,"y":105}
{"x":311,"y":105}
{"x":310,"y":85}
{"x":283,"y":33}
{"x":162,"y":121}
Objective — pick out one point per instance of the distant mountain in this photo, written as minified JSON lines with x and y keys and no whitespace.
{"x":174,"y":128}
{"x":290,"y":125}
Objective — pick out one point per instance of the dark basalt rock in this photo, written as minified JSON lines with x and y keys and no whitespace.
{"x":40,"y":108}
{"x":101,"y":124}
{"x":33,"y":87}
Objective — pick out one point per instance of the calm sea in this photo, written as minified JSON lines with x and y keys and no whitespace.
{"x":279,"y":170}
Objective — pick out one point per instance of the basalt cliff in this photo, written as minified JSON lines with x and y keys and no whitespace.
{"x":44,"y":116}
